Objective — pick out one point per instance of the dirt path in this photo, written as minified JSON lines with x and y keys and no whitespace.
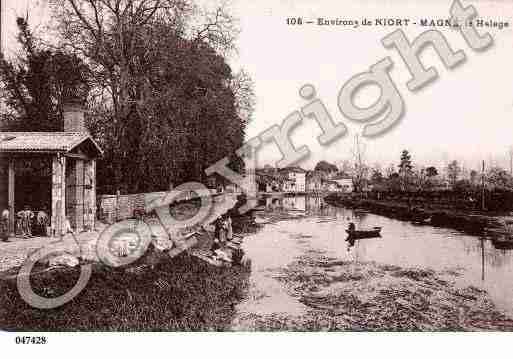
{"x":14,"y":252}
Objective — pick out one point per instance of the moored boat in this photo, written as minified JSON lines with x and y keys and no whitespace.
{"x":503,"y":242}
{"x":497,"y":232}
{"x":501,"y":236}
{"x":421,"y":220}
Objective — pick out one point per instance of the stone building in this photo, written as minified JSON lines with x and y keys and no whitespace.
{"x":295,"y":179}
{"x":344,"y":183}
{"x":55,"y":171}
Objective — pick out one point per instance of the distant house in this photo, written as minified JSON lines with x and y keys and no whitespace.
{"x":440,"y":184}
{"x":344,"y":183}
{"x":232,"y":188}
{"x":268,"y":182}
{"x":332,"y":186}
{"x":315,"y":181}
{"x":295,"y":179}
{"x":288,"y":186}
{"x":273,"y":185}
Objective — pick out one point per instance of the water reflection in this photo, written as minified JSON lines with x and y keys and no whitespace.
{"x":475,"y":258}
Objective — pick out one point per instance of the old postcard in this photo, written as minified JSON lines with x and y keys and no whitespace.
{"x":243,"y":166}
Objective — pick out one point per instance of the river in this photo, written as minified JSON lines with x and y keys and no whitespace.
{"x":296,"y":226}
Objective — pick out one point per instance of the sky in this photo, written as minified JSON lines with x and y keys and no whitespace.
{"x":465,"y":115}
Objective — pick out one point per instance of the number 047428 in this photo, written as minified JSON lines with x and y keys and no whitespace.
{"x":31,"y":340}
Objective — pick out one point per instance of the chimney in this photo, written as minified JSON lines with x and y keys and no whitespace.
{"x":73,"y":116}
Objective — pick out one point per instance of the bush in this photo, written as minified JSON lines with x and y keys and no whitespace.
{"x":463,"y":197}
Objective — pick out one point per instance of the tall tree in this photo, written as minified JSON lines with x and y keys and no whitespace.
{"x":474,"y":177}
{"x":324,"y":166}
{"x":453,"y":171}
{"x":499,"y":178}
{"x":421,"y":178}
{"x":377,"y":176}
{"x":345,"y":167}
{"x":361,"y":170}
{"x":167,"y":104}
{"x":390,"y":170}
{"x":405,"y":169}
{"x":431,"y":171}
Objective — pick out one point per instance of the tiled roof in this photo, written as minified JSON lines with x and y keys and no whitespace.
{"x":43,"y":142}
{"x":293,"y":169}
{"x":342,"y":177}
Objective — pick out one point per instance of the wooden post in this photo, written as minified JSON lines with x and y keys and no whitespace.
{"x":78,"y":203}
{"x":90,"y":194}
{"x":1,"y":25}
{"x":118,"y":194}
{"x":93,"y":193}
{"x":58,"y":195}
{"x":482,"y":260}
{"x":11,"y":187}
{"x":483,"y":203}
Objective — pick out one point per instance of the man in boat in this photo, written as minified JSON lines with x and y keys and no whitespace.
{"x":350,"y":243}
{"x":362,"y":233}
{"x":350,"y":239}
{"x":351,"y":228}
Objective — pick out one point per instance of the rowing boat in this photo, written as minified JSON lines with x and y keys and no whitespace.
{"x":364,"y":233}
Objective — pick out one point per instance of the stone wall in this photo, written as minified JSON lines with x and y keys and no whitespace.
{"x":113,"y":208}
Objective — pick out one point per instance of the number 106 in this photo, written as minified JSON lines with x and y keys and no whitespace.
{"x":294,"y":21}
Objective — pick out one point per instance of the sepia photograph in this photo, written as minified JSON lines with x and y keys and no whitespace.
{"x":237,"y":166}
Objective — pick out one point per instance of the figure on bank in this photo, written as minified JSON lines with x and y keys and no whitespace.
{"x":4,"y":225}
{"x":25,"y":218}
{"x":43,"y":221}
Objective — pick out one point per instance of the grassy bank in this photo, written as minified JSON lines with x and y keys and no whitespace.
{"x":184,"y":294}
{"x":154,"y":294}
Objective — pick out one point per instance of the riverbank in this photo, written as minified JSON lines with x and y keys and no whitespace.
{"x":470,"y":222}
{"x":156,"y":293}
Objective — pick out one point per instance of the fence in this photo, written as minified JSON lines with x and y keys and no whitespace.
{"x":113,"y":208}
